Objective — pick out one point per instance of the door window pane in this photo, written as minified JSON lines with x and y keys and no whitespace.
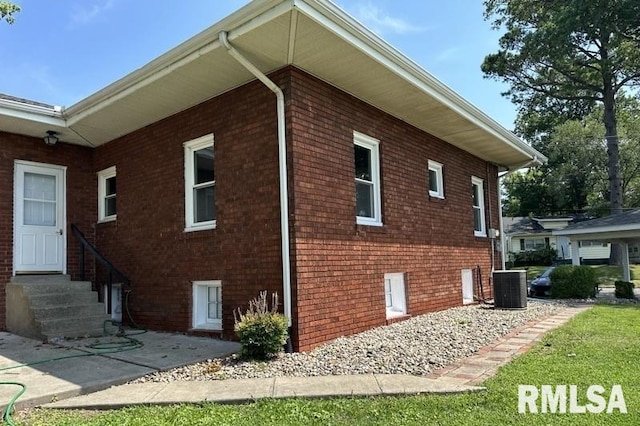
{"x":39,"y":200}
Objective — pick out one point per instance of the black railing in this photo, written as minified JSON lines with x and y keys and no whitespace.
{"x":111,"y":270}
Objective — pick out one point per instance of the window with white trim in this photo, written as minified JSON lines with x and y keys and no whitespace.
{"x":436,"y":181}
{"x":207,"y":305}
{"x":200,"y":184}
{"x":394,"y":294}
{"x":477,"y":189}
{"x":367,"y":170}
{"x":107,"y":194}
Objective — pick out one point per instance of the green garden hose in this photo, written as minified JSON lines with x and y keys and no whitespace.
{"x":128,"y":344}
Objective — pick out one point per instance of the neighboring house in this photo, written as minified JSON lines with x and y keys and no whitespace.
{"x":622,"y":228}
{"x":531,"y":233}
{"x":364,"y":191}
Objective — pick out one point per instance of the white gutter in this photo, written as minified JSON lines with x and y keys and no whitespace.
{"x":503,"y":239}
{"x":282,"y":158}
{"x":41,"y":114}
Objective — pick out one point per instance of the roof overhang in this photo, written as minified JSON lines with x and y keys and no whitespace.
{"x":313,"y":35}
{"x":603,"y":233}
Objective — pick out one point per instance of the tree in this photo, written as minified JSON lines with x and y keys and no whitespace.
{"x":571,"y":51}
{"x":7,"y":9}
{"x":575,"y":177}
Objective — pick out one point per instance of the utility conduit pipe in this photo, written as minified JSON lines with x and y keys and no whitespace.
{"x":282,"y":159}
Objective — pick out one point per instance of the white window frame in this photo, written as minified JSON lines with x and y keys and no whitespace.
{"x":482,"y":232}
{"x":103,"y":176}
{"x":395,"y":294}
{"x":437,"y":168}
{"x":533,"y":244}
{"x":373,"y":145}
{"x":201,"y":320}
{"x":190,"y":148}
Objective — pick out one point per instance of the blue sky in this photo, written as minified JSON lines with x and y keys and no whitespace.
{"x":59,"y":52}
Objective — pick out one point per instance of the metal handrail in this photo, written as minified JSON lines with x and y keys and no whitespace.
{"x":111,"y":270}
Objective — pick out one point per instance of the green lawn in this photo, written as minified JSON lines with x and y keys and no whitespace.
{"x":600,"y":346}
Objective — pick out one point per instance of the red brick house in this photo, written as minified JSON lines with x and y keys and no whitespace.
{"x":286,"y":148}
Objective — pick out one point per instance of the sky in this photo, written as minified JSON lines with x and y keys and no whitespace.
{"x":59,"y":52}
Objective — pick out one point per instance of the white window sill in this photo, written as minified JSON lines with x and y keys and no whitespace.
{"x":367,"y":221}
{"x":208,"y":327}
{"x":194,"y":228}
{"x":395,"y":314}
{"x":480,"y":234}
{"x":108,"y":219}
{"x":436,"y":195}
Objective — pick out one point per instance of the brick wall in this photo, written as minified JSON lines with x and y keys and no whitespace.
{"x":148,"y":242}
{"x":81,"y":197}
{"x":339,"y":265}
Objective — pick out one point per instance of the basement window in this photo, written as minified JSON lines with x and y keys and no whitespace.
{"x":107,"y":195}
{"x":207,"y":305}
{"x":394,"y":294}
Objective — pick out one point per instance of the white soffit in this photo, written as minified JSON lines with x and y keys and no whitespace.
{"x":314,"y":35}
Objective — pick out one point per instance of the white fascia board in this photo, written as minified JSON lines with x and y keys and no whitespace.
{"x":36,"y":113}
{"x":245,"y":19}
{"x":331,"y":16}
{"x":598,"y":230}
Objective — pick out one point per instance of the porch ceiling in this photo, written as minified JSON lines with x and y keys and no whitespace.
{"x":313,"y":35}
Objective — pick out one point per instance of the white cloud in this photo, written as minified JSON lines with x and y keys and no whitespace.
{"x":87,"y":12}
{"x":382,"y":22}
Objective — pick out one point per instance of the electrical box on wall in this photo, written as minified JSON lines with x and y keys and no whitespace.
{"x":116,"y":302}
{"x":493,"y":233}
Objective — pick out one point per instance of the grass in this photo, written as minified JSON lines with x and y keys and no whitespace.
{"x":600,"y":346}
{"x":607,"y":275}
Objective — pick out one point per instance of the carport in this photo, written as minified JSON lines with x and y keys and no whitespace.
{"x":622,"y":228}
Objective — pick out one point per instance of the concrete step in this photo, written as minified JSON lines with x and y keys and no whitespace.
{"x":46,"y":287}
{"x":63,"y":299}
{"x":52,"y":307}
{"x":71,"y":310}
{"x":67,"y":327}
{"x":40,"y":278}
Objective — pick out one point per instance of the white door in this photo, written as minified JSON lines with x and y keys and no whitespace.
{"x":39,"y":218}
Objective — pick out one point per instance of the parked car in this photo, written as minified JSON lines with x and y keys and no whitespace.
{"x":540,"y":286}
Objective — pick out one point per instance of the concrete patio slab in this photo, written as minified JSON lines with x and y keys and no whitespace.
{"x":70,"y":368}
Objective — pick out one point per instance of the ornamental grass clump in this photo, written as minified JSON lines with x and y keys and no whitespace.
{"x":262,"y":329}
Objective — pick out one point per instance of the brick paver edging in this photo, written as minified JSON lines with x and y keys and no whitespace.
{"x":478,"y":367}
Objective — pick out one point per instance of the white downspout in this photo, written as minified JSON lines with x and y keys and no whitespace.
{"x":282,"y":158}
{"x":503,"y":240}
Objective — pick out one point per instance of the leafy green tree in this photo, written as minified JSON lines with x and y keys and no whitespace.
{"x":573,"y":51}
{"x":7,"y":9}
{"x":575,"y":177}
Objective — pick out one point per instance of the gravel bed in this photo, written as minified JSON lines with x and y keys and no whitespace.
{"x":416,"y":346}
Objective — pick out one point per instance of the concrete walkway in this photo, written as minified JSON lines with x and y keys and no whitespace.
{"x":462,"y":376}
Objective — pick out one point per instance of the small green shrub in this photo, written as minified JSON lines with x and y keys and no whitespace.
{"x":262,"y":330}
{"x":544,"y":256}
{"x":577,"y":282}
{"x":624,"y":290}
